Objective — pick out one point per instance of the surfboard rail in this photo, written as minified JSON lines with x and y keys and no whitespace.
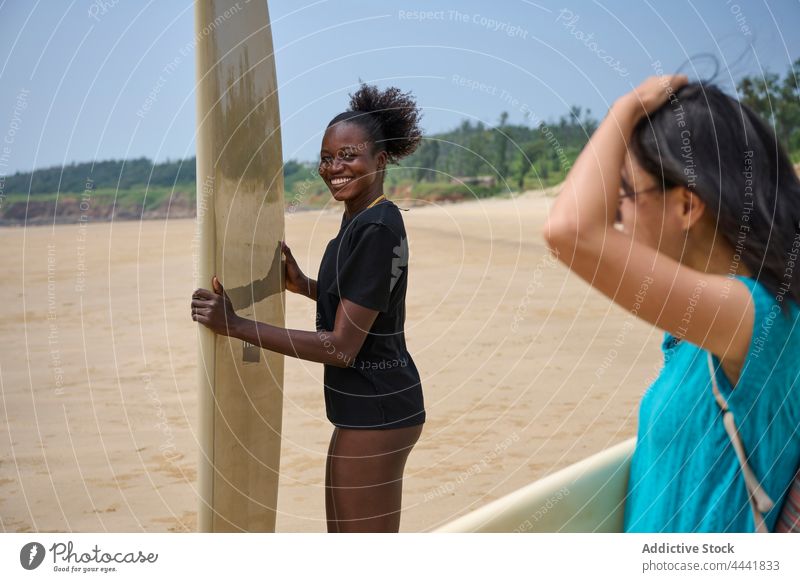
{"x":588,"y":496}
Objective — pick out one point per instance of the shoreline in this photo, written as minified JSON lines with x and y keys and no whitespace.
{"x":73,"y":220}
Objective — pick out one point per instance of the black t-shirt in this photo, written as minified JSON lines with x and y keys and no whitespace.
{"x":367,"y":263}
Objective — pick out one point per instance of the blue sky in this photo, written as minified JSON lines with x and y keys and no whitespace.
{"x":72,"y":77}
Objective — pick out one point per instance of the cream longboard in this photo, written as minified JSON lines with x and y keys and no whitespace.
{"x":588,"y":496}
{"x":240,"y":223}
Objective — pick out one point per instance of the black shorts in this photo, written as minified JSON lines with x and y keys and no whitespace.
{"x":370,"y":405}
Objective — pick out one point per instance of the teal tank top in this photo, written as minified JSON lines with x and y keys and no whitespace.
{"x":685,"y":476}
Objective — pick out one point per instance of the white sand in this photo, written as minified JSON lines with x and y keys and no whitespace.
{"x":525,"y":369}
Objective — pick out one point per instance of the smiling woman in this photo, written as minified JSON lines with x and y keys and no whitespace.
{"x":379,"y":129}
{"x":373,"y":393}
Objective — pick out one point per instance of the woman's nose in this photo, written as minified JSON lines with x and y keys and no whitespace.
{"x":336,"y":164}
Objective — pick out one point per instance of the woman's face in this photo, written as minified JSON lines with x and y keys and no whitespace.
{"x":649,"y":214}
{"x":347,"y":163}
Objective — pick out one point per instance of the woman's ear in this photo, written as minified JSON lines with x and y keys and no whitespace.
{"x":691,"y":207}
{"x":381,"y":160}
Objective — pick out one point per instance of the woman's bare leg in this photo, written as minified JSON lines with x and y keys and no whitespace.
{"x":364,"y":478}
{"x":330,"y":514}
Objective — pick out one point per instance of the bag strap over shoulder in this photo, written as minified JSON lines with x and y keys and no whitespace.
{"x":760,"y":502}
{"x":789,"y":518}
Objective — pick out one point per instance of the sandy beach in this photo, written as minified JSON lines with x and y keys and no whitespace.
{"x":525,"y":370}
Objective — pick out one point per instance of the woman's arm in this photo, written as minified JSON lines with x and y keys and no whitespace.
{"x":337,"y":347}
{"x":309,"y":289}
{"x":708,"y":310}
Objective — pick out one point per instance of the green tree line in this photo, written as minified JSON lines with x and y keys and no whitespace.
{"x":116,"y":174}
{"x":778,"y":101}
{"x":516,"y":156}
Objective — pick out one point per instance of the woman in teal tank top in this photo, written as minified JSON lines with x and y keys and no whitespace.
{"x":684,"y":209}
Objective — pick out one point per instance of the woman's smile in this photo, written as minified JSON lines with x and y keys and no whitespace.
{"x":340,"y":181}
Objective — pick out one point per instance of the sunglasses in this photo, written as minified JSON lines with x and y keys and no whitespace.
{"x":627,"y":192}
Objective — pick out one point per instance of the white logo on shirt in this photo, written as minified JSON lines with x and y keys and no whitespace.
{"x":400,"y":260}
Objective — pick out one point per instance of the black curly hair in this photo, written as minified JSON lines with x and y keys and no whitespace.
{"x":389,"y":117}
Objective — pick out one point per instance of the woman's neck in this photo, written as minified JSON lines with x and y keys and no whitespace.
{"x":353,"y":207}
{"x":714,"y":255}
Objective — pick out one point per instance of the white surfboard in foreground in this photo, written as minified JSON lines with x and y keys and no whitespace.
{"x":588,"y":496}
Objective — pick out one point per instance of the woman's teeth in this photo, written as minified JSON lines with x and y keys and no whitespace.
{"x":340,"y":181}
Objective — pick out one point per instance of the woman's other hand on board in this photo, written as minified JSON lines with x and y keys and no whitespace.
{"x":294,"y":279}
